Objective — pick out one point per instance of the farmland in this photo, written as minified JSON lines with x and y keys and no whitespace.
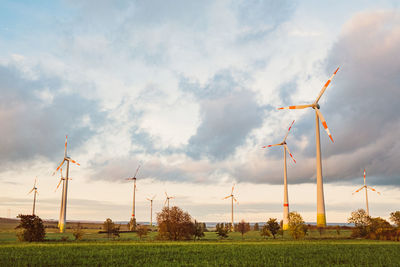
{"x":96,"y":249}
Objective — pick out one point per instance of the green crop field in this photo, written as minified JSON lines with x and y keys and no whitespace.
{"x":238,"y":253}
{"x":329,"y":249}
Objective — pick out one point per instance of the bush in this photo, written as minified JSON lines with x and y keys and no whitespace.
{"x":78,"y":233}
{"x":222,"y":232}
{"x":256,"y":227}
{"x":296,"y":225}
{"x":198,"y":230}
{"x":265,"y":232}
{"x":141,"y":231}
{"x":31,"y":228}
{"x":174,"y":224}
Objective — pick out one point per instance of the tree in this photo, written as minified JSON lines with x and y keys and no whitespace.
{"x":296,"y":225}
{"x":141,"y":231}
{"x":78,"y":232}
{"x":223,"y":231}
{"x":256,"y":227}
{"x":198,"y":230}
{"x":361,"y":221}
{"x":108,"y":227}
{"x":32,"y":228}
{"x":395,"y":218}
{"x":272,"y":226}
{"x":174,"y":224}
{"x":265,"y":231}
{"x":243,"y":227}
{"x":379,"y":228}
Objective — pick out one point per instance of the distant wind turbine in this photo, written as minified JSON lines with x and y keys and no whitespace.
{"x":151,"y":209}
{"x":134,"y":191}
{"x":366,"y":192}
{"x":285,"y":190}
{"x":321,"y":217}
{"x":63,"y":218}
{"x":167,"y":199}
{"x":232,"y":199}
{"x":62,"y":179}
{"x":34,"y":197}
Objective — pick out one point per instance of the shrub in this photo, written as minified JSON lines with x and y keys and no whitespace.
{"x":296,"y":225}
{"x":198,"y":230}
{"x":31,"y":228}
{"x":78,"y":232}
{"x":265,"y":232}
{"x":273,"y":226}
{"x":222,"y":232}
{"x":141,"y":231}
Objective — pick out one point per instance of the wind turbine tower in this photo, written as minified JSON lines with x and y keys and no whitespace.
{"x":232,"y":199}
{"x":34,"y":196}
{"x":366,"y":192}
{"x":321,"y":217}
{"x":63,"y":218}
{"x":151,"y":209}
{"x":134,"y":191}
{"x":285,"y":187}
{"x":167,"y":199}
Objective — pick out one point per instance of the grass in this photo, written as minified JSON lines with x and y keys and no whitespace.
{"x":208,"y":253}
{"x":328,"y":249}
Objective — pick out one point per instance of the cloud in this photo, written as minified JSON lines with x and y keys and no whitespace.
{"x":37,"y":112}
{"x":229,"y":112}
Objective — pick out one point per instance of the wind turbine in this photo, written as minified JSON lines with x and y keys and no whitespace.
{"x":167,"y":199}
{"x":134,"y":191}
{"x":63,"y":213}
{"x":232,"y":199}
{"x":151,"y":209}
{"x":285,"y":190}
{"x":366,"y":192}
{"x":321,"y":218}
{"x":62,"y":179}
{"x":34,"y":198}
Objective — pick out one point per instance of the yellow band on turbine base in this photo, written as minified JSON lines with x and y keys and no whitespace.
{"x":62,"y":227}
{"x":321,"y":220}
{"x":285,"y":226}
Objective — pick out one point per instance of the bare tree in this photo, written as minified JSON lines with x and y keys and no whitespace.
{"x":243,"y":227}
{"x":174,"y":224}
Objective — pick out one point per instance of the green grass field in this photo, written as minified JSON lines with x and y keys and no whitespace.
{"x":329,"y":249}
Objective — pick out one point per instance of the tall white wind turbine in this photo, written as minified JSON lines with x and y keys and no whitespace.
{"x":321,"y":217}
{"x":134,"y":191}
{"x":34,"y":189}
{"x":62,"y":180}
{"x":232,"y":199}
{"x":151,"y":209}
{"x":167,"y":199}
{"x":366,"y":192}
{"x":63,"y":218}
{"x":285,"y":187}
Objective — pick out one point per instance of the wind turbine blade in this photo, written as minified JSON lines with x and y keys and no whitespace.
{"x":296,"y":107}
{"x":73,"y":161}
{"x":235,"y":199}
{"x":137,"y":171}
{"x":165,"y":203}
{"x":373,"y":190}
{"x":325,"y":86}
{"x":364,"y":177}
{"x":58,"y":185}
{"x":148,"y":199}
{"x":287,"y":148}
{"x":226,"y":197}
{"x":65,"y":151}
{"x":37,"y":192}
{"x":35,"y":182}
{"x":166,"y":193}
{"x":272,"y":145}
{"x":153,"y":197}
{"x":324,"y":123}
{"x":31,"y":191}
{"x":290,"y":127}
{"x":358,"y":190}
{"x":233,"y":187}
{"x":59,"y":166}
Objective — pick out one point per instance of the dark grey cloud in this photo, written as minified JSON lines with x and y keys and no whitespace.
{"x":229,"y":112}
{"x":36,"y":115}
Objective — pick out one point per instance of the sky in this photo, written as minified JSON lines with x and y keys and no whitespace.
{"x":190,"y":90}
